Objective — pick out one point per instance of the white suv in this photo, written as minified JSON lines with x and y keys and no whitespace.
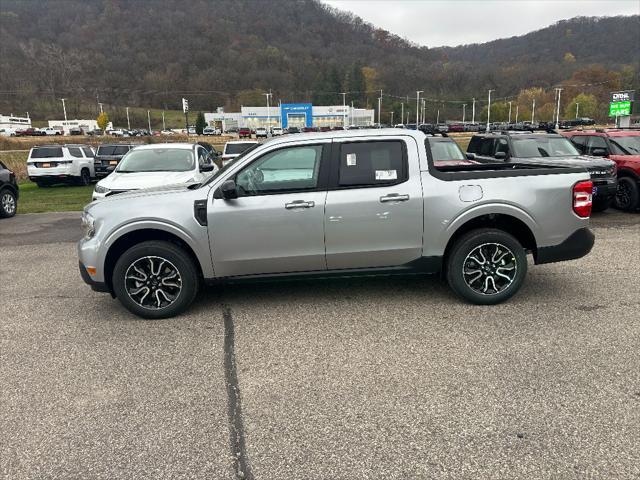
{"x":49,"y":164}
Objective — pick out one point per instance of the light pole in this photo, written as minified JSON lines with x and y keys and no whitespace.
{"x":489,"y":109}
{"x":344,"y":109}
{"x":352,"y":113}
{"x":64,"y":109}
{"x":268,"y":95}
{"x":418,"y":107}
{"x":438,"y":117}
{"x":392,"y":119}
{"x":533,"y":110}
{"x":164,"y":127}
{"x":149,"y":122}
{"x":402,"y":113}
{"x":473,"y":112}
{"x":558,"y":112}
{"x":128,"y":122}
{"x":517,"y":108}
{"x":100,"y":105}
{"x":577,"y":107}
{"x":509,"y":112}
{"x":424,"y":109}
{"x":380,"y":109}
{"x":464,"y":108}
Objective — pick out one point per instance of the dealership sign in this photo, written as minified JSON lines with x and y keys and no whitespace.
{"x":621,"y":103}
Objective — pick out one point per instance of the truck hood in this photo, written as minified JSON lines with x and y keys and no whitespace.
{"x":140,"y":180}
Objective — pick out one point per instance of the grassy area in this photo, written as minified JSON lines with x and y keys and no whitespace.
{"x":62,"y":198}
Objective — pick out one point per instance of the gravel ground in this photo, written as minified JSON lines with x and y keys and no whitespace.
{"x":386,"y":378}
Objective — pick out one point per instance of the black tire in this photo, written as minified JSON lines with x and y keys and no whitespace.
{"x":601,"y":204}
{"x":138,"y":256}
{"x":85,"y":177}
{"x":8,"y":203}
{"x":461,"y":264}
{"x":627,"y":195}
{"x":42,"y":184}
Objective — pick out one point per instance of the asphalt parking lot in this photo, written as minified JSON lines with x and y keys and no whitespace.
{"x":385,"y":378}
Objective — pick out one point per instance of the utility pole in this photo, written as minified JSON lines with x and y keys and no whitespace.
{"x":577,"y":107}
{"x":517,"y":108}
{"x":344,"y":109}
{"x":558,"y":114}
{"x":533,"y":111}
{"x":473,"y":112}
{"x":149,"y":121}
{"x":128,"y":121}
{"x":489,"y":109}
{"x":64,"y":109}
{"x":464,"y":108}
{"x":509,"y":111}
{"x":418,"y":107}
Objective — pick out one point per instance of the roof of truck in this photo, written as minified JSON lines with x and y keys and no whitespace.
{"x":359,"y":133}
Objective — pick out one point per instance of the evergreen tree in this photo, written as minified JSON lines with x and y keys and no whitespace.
{"x":200,"y":123}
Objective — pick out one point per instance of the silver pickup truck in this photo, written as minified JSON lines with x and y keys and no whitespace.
{"x":338,"y":203}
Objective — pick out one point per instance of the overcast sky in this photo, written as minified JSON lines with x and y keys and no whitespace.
{"x":453,"y":22}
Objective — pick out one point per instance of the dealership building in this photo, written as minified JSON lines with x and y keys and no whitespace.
{"x":287,"y":115}
{"x":13,"y":122}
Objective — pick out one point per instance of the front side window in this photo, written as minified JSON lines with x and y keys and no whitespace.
{"x":285,"y":170}
{"x":87,"y":152}
{"x":157,"y":160}
{"x":486,"y":147}
{"x":630,"y":145}
{"x":372,"y":163}
{"x":580,"y":142}
{"x":543,"y":147}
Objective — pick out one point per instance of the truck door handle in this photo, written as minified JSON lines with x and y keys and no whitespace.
{"x":394,"y":197}
{"x":299,"y":204}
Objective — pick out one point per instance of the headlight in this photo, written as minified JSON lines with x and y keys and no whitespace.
{"x":100,"y":189}
{"x":88,"y":225}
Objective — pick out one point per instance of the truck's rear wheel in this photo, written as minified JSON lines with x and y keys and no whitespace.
{"x":85,"y":177}
{"x":155,"y":279}
{"x":486,"y":266}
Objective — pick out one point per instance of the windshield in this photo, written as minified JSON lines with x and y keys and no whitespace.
{"x":630,"y":144}
{"x":231,"y":163}
{"x":543,"y":147}
{"x":236,"y":148}
{"x":112,"y":150}
{"x":442,"y":151}
{"x":157,"y":160}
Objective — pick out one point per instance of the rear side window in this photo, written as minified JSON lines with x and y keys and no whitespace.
{"x":46,"y":152}
{"x":87,"y":152}
{"x":75,"y":152}
{"x":372,"y":163}
{"x":474,"y":145}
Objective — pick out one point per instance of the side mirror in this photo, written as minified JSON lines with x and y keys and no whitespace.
{"x":228,"y":190}
{"x":471,"y":156}
{"x":599,"y":152}
{"x":207,"y":167}
{"x":500,"y":156}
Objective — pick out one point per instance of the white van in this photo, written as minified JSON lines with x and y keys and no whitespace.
{"x":49,"y":164}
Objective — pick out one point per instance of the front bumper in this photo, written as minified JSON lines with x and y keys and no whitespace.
{"x":577,"y":245}
{"x":95,"y":285}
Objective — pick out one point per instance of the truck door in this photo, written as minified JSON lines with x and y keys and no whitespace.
{"x":276,"y":225}
{"x":374,"y":208}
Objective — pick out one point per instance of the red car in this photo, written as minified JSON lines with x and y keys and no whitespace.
{"x":244,"y":132}
{"x":623,"y":147}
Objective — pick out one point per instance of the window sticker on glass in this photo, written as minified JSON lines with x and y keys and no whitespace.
{"x":386,"y":175}
{"x":351,"y":160}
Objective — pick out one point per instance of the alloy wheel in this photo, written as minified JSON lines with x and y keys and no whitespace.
{"x":153,"y":282}
{"x":489,"y":268}
{"x":623,"y":196}
{"x":8,"y":204}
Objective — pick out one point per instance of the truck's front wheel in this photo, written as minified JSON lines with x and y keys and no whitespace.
{"x":486,"y":266}
{"x":155,"y":279}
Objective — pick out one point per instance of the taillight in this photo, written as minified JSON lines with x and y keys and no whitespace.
{"x":582,"y":198}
